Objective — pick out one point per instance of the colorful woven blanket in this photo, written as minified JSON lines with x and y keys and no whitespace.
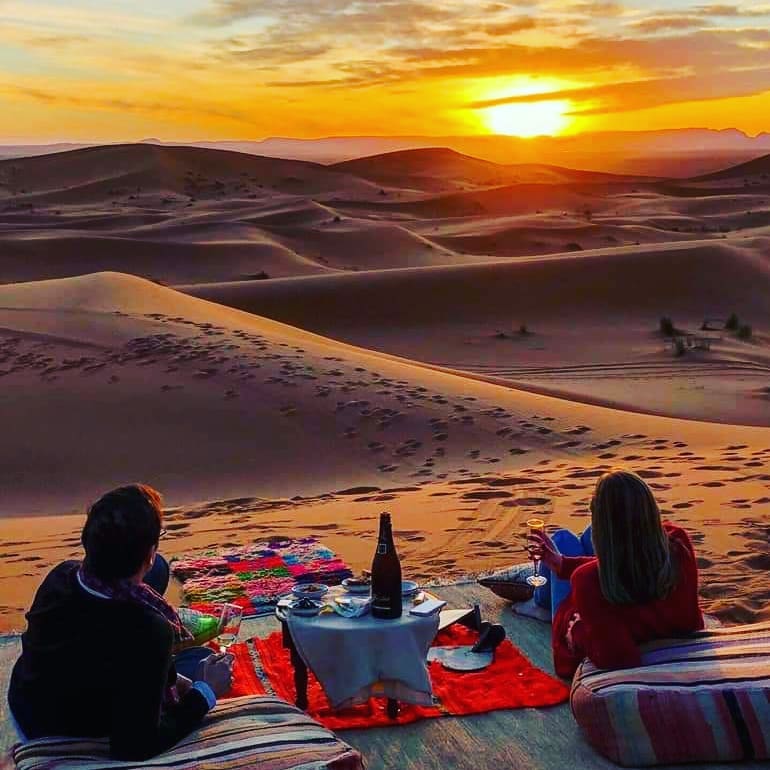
{"x":255,"y":576}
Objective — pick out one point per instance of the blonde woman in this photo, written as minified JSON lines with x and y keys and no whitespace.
{"x":642,"y":584}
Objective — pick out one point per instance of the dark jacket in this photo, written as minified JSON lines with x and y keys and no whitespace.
{"x":96,"y":667}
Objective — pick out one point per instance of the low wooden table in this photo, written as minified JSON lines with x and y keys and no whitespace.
{"x":301,"y":669}
{"x":300,"y":672}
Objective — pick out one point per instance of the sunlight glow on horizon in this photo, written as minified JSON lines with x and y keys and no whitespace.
{"x":246,"y":69}
{"x":546,"y":118}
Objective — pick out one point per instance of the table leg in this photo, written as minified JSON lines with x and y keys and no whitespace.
{"x":300,"y":678}
{"x":300,"y":669}
{"x":392,"y":708}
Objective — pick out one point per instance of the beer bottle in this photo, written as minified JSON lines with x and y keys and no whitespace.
{"x":386,"y":574}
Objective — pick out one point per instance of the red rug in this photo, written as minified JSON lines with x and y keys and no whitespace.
{"x":263,"y":665}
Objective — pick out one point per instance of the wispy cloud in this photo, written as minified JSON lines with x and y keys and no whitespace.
{"x":221,"y":62}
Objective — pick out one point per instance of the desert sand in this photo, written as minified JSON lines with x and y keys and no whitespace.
{"x":382,"y":366}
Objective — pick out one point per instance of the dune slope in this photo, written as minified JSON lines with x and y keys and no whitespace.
{"x":253,"y":428}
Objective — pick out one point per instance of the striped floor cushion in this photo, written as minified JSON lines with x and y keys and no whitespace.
{"x":705,"y":698}
{"x":255,"y":733}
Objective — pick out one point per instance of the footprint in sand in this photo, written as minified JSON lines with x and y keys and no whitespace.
{"x":526,"y":502}
{"x":486,"y":494}
{"x":358,"y":491}
{"x":517,"y":450}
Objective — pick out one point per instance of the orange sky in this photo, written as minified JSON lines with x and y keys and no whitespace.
{"x":245,"y":69}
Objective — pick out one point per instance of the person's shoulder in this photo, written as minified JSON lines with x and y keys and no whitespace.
{"x":62,"y":575}
{"x":587,"y":575}
{"x":678,"y":535}
{"x":141,"y":624}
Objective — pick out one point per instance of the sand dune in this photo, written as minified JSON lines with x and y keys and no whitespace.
{"x":592,"y":321}
{"x":440,"y":168}
{"x":95,"y":173}
{"x":757,"y":167}
{"x":273,"y":430}
{"x":423,"y":395}
{"x":181,"y":215}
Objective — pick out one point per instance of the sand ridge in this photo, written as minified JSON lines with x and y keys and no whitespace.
{"x":464,"y":350}
{"x":254,"y":428}
{"x":189,"y":215}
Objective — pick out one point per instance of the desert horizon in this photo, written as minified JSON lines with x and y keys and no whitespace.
{"x":447,"y":261}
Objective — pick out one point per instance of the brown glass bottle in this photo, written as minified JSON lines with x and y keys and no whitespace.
{"x":386,"y":574}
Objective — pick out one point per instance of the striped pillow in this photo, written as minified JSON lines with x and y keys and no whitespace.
{"x":705,"y":698}
{"x":252,"y":732}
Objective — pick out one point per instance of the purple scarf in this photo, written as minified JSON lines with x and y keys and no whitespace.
{"x":137,"y":593}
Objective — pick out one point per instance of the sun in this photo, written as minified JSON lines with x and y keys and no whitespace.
{"x":527,"y":119}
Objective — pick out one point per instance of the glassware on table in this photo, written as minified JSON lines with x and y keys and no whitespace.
{"x":536,"y":580}
{"x":229,"y":625}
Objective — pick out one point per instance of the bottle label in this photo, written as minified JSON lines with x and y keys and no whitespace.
{"x":382,"y":548}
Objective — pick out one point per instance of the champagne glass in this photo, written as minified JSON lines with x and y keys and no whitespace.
{"x":536,"y":580}
{"x":229,"y":625}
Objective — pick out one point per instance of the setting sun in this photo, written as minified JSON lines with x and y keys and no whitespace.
{"x":528,"y":119}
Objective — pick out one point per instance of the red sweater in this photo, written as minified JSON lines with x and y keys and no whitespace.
{"x":609,"y":634}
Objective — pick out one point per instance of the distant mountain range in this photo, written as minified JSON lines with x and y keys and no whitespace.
{"x":670,"y":153}
{"x":647,"y":153}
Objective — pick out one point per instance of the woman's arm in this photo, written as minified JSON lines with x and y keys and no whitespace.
{"x":541,"y":546}
{"x":139,"y":729}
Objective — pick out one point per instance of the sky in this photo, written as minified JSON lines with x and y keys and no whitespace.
{"x":92,"y":70}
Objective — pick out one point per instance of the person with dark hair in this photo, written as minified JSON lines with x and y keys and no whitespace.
{"x":97,"y":657}
{"x":629,"y":579}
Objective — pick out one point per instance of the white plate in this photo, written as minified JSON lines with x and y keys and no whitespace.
{"x":300,"y":591}
{"x":356,"y":589}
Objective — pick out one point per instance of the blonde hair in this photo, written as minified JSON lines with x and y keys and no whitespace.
{"x":635,"y":564}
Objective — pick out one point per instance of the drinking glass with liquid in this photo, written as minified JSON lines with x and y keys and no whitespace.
{"x":229,"y":625}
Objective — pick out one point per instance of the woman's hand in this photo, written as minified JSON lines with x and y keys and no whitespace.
{"x":542,"y":547}
{"x":217,"y":672}
{"x":574,"y":620}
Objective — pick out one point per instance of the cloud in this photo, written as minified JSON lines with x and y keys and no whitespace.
{"x":731,"y":11}
{"x":55,"y":98}
{"x":509,"y":27}
{"x":642,"y":94}
{"x":663,"y":23}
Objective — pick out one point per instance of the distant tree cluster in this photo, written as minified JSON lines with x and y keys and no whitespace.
{"x":742,"y":331}
{"x":667,"y":327}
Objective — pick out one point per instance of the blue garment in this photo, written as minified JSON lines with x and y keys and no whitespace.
{"x":186,"y":662}
{"x":158,"y":576}
{"x":556,"y":590}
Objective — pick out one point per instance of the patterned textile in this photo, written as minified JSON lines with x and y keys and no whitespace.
{"x":256,"y":576}
{"x":137,"y":593}
{"x":700,"y":699}
{"x":247,"y":733}
{"x":510,"y":682}
{"x":511,"y":583}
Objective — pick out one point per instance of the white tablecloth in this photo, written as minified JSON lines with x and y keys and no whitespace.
{"x":356,"y":658}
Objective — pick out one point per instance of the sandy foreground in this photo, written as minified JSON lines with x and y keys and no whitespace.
{"x":383,"y":366}
{"x":253,"y":428}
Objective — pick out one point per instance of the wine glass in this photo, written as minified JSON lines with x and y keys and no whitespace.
{"x":229,"y":625}
{"x":536,"y":580}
